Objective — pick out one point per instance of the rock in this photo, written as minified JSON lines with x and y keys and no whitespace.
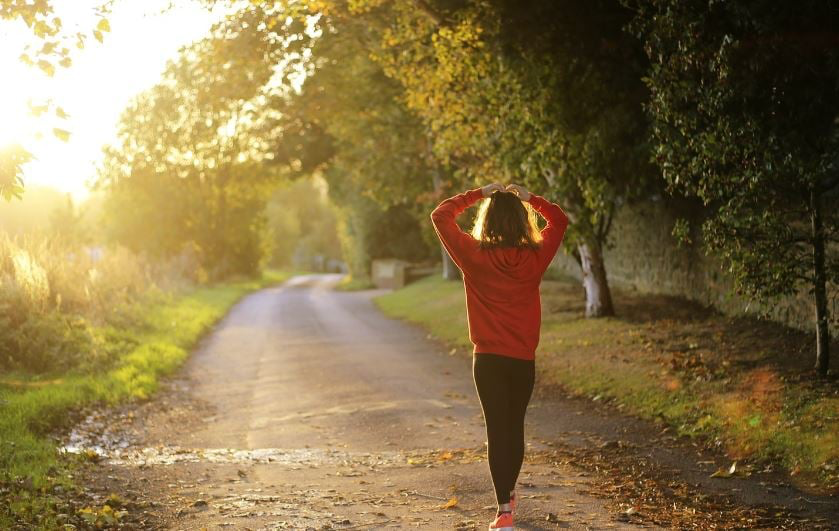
{"x":200,"y":504}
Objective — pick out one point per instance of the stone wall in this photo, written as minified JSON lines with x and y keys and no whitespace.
{"x":645,"y":256}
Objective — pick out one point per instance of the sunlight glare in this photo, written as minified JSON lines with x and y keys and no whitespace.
{"x":95,"y":89}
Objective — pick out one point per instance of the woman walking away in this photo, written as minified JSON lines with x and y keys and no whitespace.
{"x":502,"y":262}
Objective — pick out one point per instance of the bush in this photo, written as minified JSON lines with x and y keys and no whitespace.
{"x":52,"y":295}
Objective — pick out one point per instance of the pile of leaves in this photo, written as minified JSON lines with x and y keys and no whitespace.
{"x":643,"y":492}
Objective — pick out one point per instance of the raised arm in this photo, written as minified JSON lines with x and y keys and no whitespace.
{"x":460,"y":246}
{"x":553,"y":232}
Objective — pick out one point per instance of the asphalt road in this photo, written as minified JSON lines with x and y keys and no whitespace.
{"x":306,"y":408}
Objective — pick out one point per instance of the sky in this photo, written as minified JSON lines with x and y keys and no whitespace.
{"x":96,"y":88}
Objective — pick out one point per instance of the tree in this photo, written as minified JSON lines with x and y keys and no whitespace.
{"x":548,"y":93}
{"x":745,"y":112}
{"x":12,"y":158}
{"x":303,"y":231}
{"x":189,"y":169}
{"x":347,"y":123}
{"x":51,"y":49}
{"x":67,"y":224}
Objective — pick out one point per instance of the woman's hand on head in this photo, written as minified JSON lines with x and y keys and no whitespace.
{"x":520,"y":191}
{"x":490,"y":188}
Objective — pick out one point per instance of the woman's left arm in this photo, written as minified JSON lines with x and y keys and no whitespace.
{"x":459,"y":245}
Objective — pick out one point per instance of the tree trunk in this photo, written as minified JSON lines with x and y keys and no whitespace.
{"x":450,"y":270}
{"x":598,"y":295}
{"x":819,"y":288}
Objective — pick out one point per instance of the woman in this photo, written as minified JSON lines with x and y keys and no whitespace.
{"x":502,"y":261}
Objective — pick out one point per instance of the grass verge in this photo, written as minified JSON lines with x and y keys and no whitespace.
{"x":739,"y":383}
{"x":350,"y":283}
{"x":155,"y":344}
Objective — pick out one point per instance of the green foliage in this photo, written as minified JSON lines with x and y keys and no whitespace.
{"x":49,"y":49}
{"x":394,"y":233}
{"x":368,"y":230}
{"x":303,"y":225}
{"x":51,"y":46}
{"x":67,"y":223}
{"x":53,"y":294}
{"x":12,"y":157}
{"x":189,"y":173}
{"x":347,"y":121}
{"x":744,"y":107}
{"x":548,"y":93}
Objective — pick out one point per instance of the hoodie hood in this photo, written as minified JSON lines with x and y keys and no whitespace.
{"x":516,"y":263}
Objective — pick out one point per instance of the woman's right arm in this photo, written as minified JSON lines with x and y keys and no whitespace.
{"x":554,"y":231}
{"x":458,"y":244}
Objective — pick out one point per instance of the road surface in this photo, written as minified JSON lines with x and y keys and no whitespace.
{"x":306,"y":408}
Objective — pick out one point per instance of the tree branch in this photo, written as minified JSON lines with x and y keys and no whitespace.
{"x":576,"y":254}
{"x":609,"y":217}
{"x":431,"y":13}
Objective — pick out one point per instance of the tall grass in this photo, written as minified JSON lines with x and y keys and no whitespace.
{"x":52,"y":294}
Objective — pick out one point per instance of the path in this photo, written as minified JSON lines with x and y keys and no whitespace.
{"x":308,"y":409}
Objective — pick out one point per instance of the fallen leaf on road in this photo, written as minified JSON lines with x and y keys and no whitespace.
{"x":723,"y":473}
{"x":449,"y":504}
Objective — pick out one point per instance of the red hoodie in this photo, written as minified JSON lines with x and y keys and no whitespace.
{"x":502,"y":283}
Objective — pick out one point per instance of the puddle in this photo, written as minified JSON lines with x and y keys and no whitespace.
{"x":295,"y":457}
{"x":98,"y":433}
{"x":170,"y":455}
{"x":354,"y":408}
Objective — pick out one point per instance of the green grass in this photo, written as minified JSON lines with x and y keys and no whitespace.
{"x":33,"y":407}
{"x":435,"y":304}
{"x":764,"y":411}
{"x":350,"y":283}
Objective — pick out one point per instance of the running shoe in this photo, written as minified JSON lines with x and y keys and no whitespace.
{"x":503,"y":522}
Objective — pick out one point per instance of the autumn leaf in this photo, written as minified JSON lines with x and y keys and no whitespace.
{"x":450,"y":504}
{"x":37,"y":110}
{"x":103,"y":25}
{"x":61,"y":134}
{"x":47,"y":67}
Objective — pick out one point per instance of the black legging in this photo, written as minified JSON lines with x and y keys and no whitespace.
{"x":504,"y":387}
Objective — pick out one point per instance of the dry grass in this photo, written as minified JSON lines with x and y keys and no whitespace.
{"x":52,"y":295}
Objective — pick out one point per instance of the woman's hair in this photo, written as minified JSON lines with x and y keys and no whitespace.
{"x":504,"y":220}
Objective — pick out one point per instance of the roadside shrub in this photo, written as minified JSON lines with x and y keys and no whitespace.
{"x":53,"y":294}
